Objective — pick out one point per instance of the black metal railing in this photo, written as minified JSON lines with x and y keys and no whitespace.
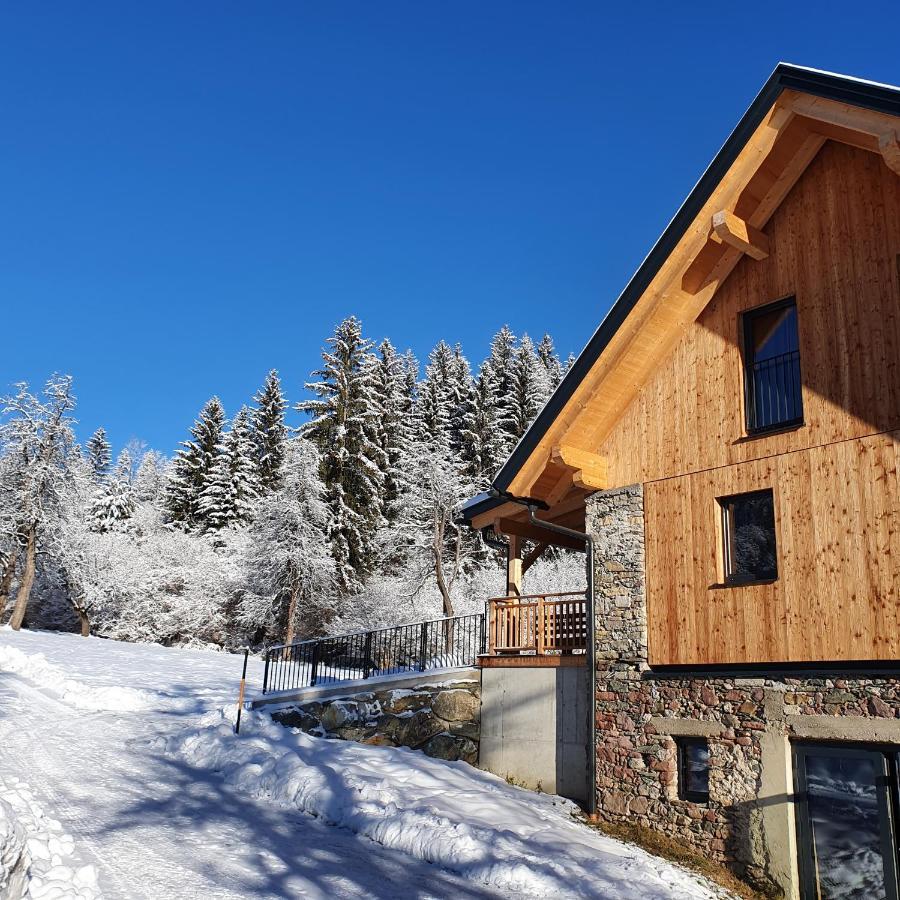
{"x":774,"y":397}
{"x":439,"y":644}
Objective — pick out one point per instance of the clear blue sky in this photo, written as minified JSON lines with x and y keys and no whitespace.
{"x":193,"y":193}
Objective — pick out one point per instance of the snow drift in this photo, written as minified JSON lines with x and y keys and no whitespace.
{"x":449,"y":814}
{"x":36,"y":854}
{"x":35,"y":668}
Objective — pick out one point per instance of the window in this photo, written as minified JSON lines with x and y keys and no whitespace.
{"x":693,"y":769}
{"x":748,"y":528}
{"x":773,"y":397}
{"x":846,"y":821}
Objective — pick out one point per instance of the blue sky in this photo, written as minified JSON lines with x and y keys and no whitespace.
{"x":191,"y":194}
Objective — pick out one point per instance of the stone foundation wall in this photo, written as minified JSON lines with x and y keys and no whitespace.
{"x":748,"y":722}
{"x":443,"y":720}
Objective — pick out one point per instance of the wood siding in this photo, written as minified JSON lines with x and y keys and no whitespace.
{"x":835,"y":246}
{"x":837,"y":523}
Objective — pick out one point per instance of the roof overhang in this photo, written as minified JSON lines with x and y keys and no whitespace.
{"x":722,"y":219}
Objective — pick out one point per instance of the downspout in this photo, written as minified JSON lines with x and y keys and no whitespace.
{"x":532,"y":504}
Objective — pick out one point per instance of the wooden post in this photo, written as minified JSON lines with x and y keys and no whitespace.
{"x":514,"y":567}
{"x":539,"y":627}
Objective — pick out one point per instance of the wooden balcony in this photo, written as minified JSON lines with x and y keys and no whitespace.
{"x":550,"y":626}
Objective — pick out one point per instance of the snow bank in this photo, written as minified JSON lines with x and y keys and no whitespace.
{"x":449,"y":814}
{"x":36,"y":854}
{"x":35,"y":668}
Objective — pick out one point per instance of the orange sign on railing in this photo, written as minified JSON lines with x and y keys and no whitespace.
{"x":538,"y":623}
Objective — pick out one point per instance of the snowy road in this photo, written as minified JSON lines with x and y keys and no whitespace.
{"x":127,"y":746}
{"x":154,"y":827}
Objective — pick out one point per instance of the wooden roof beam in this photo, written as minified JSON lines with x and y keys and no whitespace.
{"x":589,"y":471}
{"x":890,"y":150}
{"x":738,"y":234}
{"x":536,"y":533}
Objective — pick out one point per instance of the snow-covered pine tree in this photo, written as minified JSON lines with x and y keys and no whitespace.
{"x":393,"y":425}
{"x":460,"y":389}
{"x":99,"y":454}
{"x":232,"y":487}
{"x":114,"y":504}
{"x":437,"y":398}
{"x":290,"y":570}
{"x":270,"y":432}
{"x":482,"y":441}
{"x":149,"y":481}
{"x":530,"y":387}
{"x":343,"y":428}
{"x":502,"y":360}
{"x":192,"y":466}
{"x":548,"y":356}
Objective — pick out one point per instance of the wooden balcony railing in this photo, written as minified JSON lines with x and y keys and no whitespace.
{"x":542,"y":624}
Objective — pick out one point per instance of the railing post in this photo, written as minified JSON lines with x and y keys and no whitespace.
{"x":539,"y":627}
{"x":423,"y":645}
{"x":266,"y":672}
{"x":314,"y":665}
{"x":367,"y":655}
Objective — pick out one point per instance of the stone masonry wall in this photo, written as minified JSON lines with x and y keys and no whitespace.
{"x":443,"y":720}
{"x":640,"y":713}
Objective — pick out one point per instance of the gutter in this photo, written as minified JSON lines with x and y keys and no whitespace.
{"x":531,"y":505}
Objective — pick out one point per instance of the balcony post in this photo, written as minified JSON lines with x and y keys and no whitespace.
{"x":514,"y":567}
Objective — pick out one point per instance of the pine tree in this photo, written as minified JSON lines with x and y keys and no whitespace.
{"x":502,"y":360}
{"x":343,"y":428}
{"x":547,"y":354}
{"x":393,"y":425}
{"x":99,"y":454}
{"x":232,"y":487}
{"x":530,"y":387}
{"x":149,"y":479}
{"x":270,"y":432}
{"x":192,"y":466}
{"x":459,"y":389}
{"x":437,"y":398}
{"x":114,"y":505}
{"x":482,"y":441}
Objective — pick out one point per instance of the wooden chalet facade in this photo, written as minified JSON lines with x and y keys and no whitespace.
{"x":728,"y":446}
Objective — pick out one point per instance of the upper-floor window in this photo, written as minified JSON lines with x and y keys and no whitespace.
{"x":748,"y":529}
{"x":773,"y":397}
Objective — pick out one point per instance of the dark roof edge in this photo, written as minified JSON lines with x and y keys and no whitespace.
{"x":878,"y":97}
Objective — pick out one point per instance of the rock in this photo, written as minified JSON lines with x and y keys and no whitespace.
{"x":457,"y":706}
{"x":340,"y":713}
{"x":403,"y":701}
{"x":468,"y":750}
{"x":442,"y":746}
{"x":469,"y":730}
{"x":378,"y":740}
{"x":414,"y":730}
{"x":877,"y":707}
{"x":296,"y":718}
{"x":349,"y":733}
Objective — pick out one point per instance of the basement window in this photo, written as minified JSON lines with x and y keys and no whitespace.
{"x":693,"y":769}
{"x":772,"y":392}
{"x":748,"y":530}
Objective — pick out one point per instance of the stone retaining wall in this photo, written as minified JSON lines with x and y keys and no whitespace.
{"x":443,"y":720}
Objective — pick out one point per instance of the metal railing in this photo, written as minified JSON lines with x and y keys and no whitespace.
{"x":774,"y":395}
{"x":544,"y":624}
{"x":448,"y":643}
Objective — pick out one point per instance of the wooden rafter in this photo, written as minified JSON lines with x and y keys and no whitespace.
{"x":728,"y":228}
{"x":589,"y":471}
{"x":532,"y":557}
{"x":889,"y":146}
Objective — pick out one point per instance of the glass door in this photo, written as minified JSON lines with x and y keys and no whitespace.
{"x":845,"y":803}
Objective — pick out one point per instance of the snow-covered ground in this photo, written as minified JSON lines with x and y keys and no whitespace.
{"x":119,"y":770}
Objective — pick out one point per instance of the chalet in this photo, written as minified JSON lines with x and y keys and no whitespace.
{"x":725,"y":450}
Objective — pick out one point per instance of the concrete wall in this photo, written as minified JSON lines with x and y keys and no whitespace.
{"x":534,"y":727}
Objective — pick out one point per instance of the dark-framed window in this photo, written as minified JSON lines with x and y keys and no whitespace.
{"x":748,"y":531}
{"x":847,"y":800}
{"x":772,"y":388}
{"x":693,"y":769}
